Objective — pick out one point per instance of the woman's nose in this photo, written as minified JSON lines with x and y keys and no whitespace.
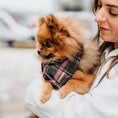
{"x":100,"y":16}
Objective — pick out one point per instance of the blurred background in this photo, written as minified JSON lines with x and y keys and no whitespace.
{"x":18,"y":63}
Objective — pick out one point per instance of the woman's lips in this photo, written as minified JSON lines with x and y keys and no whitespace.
{"x":103,"y":29}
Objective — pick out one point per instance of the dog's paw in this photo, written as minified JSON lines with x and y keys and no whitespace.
{"x":44,"y":98}
{"x":63,"y":92}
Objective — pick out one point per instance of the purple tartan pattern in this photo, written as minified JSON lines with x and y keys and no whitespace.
{"x":58,"y":72}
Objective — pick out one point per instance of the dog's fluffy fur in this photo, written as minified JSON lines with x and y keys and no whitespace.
{"x":65,"y":37}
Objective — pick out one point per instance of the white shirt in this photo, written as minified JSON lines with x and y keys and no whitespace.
{"x":100,"y":102}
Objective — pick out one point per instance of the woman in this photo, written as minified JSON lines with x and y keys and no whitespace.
{"x":102,"y":99}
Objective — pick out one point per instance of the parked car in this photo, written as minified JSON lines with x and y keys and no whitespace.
{"x":10,"y":30}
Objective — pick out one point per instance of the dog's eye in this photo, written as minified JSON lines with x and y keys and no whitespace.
{"x":48,"y":44}
{"x":42,"y":44}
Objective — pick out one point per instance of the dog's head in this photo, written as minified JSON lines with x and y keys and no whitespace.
{"x":55,"y":39}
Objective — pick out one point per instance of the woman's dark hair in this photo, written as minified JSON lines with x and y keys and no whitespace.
{"x":105,"y":44}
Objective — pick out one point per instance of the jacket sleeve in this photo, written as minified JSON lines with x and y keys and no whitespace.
{"x":100,"y":102}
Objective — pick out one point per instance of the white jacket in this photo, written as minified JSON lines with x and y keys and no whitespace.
{"x":100,"y":102}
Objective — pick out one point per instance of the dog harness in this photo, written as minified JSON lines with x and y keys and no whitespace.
{"x":58,"y":72}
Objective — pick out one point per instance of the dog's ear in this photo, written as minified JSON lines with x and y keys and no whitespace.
{"x":41,"y":21}
{"x":51,"y":22}
{"x":64,"y":31}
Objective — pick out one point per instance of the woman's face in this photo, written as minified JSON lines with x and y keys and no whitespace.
{"x":107,"y":19}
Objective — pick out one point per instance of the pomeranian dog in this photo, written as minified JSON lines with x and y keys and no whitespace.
{"x":68,"y":58}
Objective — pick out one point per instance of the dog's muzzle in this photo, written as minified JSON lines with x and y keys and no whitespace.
{"x":44,"y":56}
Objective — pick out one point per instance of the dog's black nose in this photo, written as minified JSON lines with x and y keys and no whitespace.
{"x":39,"y":52}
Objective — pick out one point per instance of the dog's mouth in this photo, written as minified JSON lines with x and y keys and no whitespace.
{"x":45,"y":56}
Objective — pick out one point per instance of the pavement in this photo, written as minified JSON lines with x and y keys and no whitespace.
{"x":18,"y":68}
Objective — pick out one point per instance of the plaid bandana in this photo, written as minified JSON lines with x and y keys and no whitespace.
{"x":58,"y":72}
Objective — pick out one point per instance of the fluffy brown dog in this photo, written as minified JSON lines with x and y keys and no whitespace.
{"x":63,"y":38}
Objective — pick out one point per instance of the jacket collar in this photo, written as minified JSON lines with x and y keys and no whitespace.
{"x":110,"y":52}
